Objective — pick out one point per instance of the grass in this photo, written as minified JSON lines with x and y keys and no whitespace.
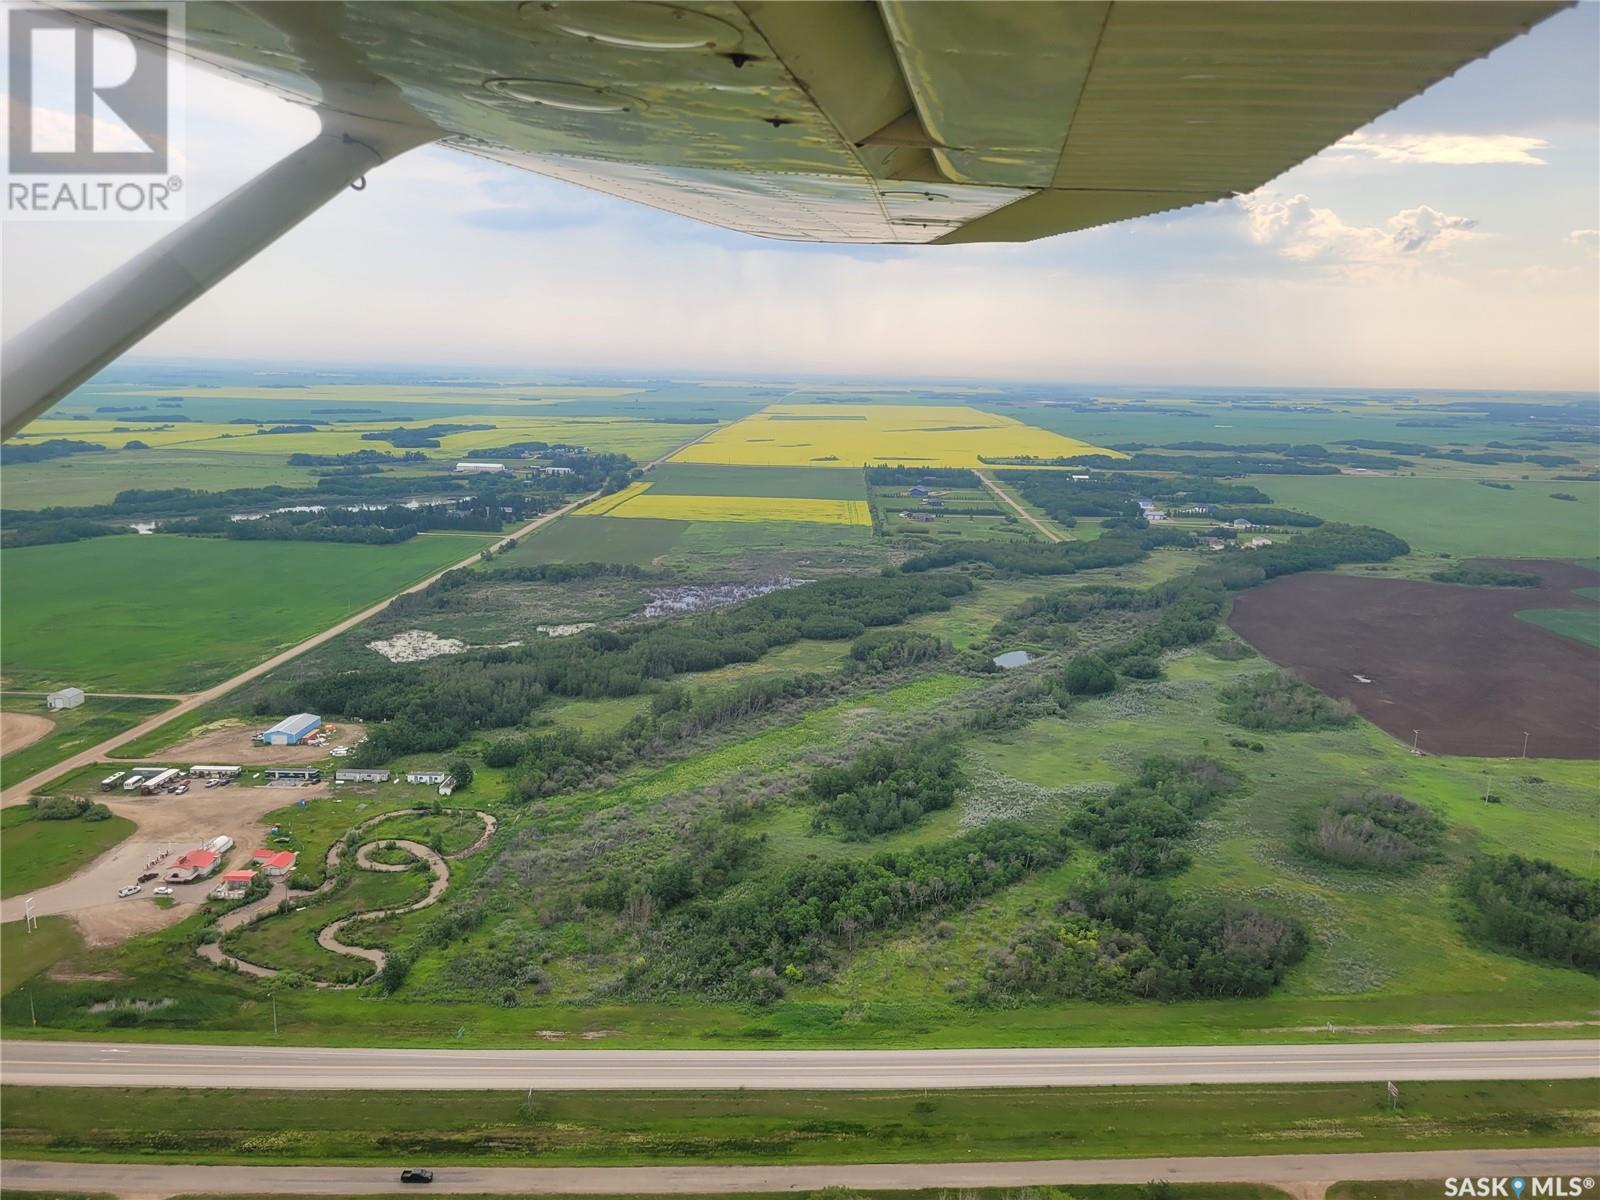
{"x":597,"y":539}
{"x":843,"y":435}
{"x":96,"y":719}
{"x":633,"y":1128}
{"x":35,"y":853}
{"x":1110,"y":1191}
{"x":23,"y":955}
{"x":174,"y":614}
{"x":1579,"y":624}
{"x":456,"y":831}
{"x":1456,"y":516}
{"x":289,"y":942}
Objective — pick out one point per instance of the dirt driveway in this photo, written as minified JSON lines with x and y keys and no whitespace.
{"x":166,"y":824}
{"x":227,"y":743}
{"x":22,"y":729}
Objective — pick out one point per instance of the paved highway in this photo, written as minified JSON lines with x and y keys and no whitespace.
{"x":98,"y":1064}
{"x":1304,"y":1174}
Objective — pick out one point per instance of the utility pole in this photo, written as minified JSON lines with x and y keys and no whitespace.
{"x":1415,"y":734}
{"x":274,"y":1014}
{"x":32,"y":1016}
{"x":1524,"y":743}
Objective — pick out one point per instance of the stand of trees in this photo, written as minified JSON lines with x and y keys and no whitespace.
{"x":886,"y":788}
{"x":1535,"y":908}
{"x":748,"y":944}
{"x":1380,"y":830}
{"x":1278,"y":702}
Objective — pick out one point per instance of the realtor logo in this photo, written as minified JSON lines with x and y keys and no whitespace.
{"x":95,"y":113}
{"x":87,"y":98}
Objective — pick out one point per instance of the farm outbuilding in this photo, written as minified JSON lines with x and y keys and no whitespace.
{"x":480,"y":468}
{"x":360,"y":775}
{"x":69,"y":697}
{"x":427,"y":776}
{"x":275,"y":862}
{"x":292,"y":731}
{"x":233,"y":886}
{"x":295,"y":774}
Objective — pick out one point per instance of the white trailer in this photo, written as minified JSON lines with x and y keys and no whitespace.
{"x":155,"y":783}
{"x":217,"y":772}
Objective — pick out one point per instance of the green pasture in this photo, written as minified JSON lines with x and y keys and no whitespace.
{"x":35,"y":853}
{"x":221,"y":1125}
{"x":639,"y":541}
{"x":84,"y":479}
{"x":289,"y":941}
{"x":96,"y":719}
{"x":174,"y":614}
{"x":1579,"y":624}
{"x":24,"y":953}
{"x":1455,"y":516}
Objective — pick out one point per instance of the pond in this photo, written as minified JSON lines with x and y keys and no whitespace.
{"x":1013,"y":658}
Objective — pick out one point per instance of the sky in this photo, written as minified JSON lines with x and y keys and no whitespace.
{"x":1455,"y":242}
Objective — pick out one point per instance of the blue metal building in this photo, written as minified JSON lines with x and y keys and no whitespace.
{"x":291,"y":731}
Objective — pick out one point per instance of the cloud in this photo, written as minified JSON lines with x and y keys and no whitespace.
{"x":1588,"y":238}
{"x":1447,"y":149}
{"x":1297,"y":229}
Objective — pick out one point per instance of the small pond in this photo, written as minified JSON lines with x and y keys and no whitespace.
{"x":1013,"y":658}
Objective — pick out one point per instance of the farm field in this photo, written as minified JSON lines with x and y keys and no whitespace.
{"x":84,"y":479}
{"x":1581,"y":625}
{"x":1455,"y":516}
{"x":643,"y":439}
{"x":1451,"y":663}
{"x":38,"y":853}
{"x":173,"y":614}
{"x":75,"y":729}
{"x":690,"y":479}
{"x":842,"y":435}
{"x":640,"y":500}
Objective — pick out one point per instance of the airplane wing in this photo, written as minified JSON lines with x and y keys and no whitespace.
{"x":889,"y":121}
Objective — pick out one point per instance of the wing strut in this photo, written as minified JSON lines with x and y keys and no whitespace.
{"x":47,"y":360}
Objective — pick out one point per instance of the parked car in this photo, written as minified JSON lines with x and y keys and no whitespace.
{"x":131,"y":889}
{"x":148,"y":876}
{"x":416,"y":1175}
{"x":162,"y":891}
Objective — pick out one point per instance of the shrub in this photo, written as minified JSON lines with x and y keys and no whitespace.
{"x":1380,"y":829}
{"x":1140,"y":667}
{"x":59,"y":808}
{"x":887,"y":788}
{"x":97,"y":812}
{"x":1278,"y":702}
{"x":1088,"y":675}
{"x":1485,"y":577}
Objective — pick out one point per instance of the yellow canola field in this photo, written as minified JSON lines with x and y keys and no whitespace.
{"x":846,"y":435}
{"x":636,"y":500}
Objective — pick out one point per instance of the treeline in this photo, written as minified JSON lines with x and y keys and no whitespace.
{"x":749,"y":944}
{"x":1268,"y":516}
{"x":944,"y":477}
{"x":46,"y":533}
{"x":1535,"y":908}
{"x":370,"y":526}
{"x":1319,"y":549}
{"x":1187,"y":464}
{"x":1485,"y":577}
{"x":886,"y":788}
{"x":356,"y":458}
{"x":1111,"y":549}
{"x":14,"y":454}
{"x":435,"y":706}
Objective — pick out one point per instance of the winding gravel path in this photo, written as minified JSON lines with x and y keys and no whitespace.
{"x":328,"y":935}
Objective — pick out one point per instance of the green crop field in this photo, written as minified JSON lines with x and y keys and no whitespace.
{"x":84,"y":479}
{"x":1582,"y":625}
{"x":98,"y":718}
{"x":174,"y":614}
{"x":692,"y":479}
{"x":1454,"y":516}
{"x":37,"y":853}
